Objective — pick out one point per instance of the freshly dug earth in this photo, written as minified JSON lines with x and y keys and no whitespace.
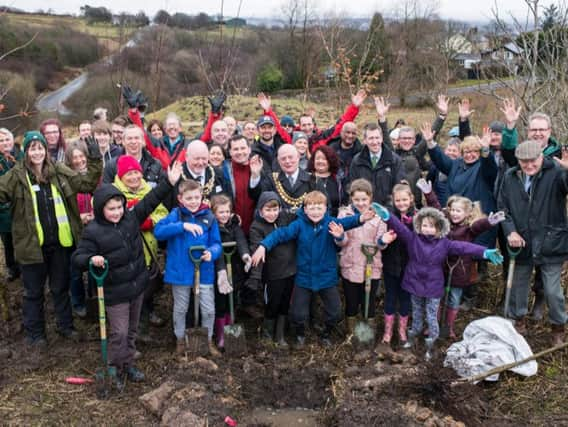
{"x":334,"y":386}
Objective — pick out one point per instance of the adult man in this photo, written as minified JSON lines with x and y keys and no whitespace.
{"x":84,"y":129}
{"x":268,"y":144}
{"x":231,"y":125}
{"x":117,"y":128}
{"x":133,"y":143}
{"x":249,"y":132}
{"x":220,"y":133}
{"x":377,"y":164}
{"x":533,"y":195}
{"x":346,"y":147}
{"x":291,"y":183}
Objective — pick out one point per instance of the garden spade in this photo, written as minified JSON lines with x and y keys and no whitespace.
{"x":512,"y":260}
{"x":444,"y":327}
{"x":197,"y":340}
{"x":364,"y":334}
{"x":235,"y":340}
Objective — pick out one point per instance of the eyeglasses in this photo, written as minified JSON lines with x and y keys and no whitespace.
{"x":470,"y":152}
{"x":540,"y":130}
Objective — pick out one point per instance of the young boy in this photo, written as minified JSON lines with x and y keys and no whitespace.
{"x":316,"y":233}
{"x":190,"y":224}
{"x":278,"y":270}
{"x":114,"y":237}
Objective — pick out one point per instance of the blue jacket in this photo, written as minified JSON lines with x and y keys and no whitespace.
{"x":316,"y":255}
{"x":179,"y":268}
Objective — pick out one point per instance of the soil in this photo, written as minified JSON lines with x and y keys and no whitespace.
{"x":315,"y":386}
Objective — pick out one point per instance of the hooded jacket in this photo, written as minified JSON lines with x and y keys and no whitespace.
{"x":316,"y":255}
{"x":180,"y":269}
{"x":280,"y":262}
{"x":120,"y":244}
{"x":424,"y":274}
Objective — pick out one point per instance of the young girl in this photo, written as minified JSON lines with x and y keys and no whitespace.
{"x":230,"y":231}
{"x":353,"y":262}
{"x":428,"y":247}
{"x":397,"y":300}
{"x":466,"y":223}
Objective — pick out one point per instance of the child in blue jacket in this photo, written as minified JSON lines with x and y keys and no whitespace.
{"x":316,"y":233}
{"x":190,"y":224}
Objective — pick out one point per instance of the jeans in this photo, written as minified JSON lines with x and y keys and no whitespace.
{"x":56,"y":268}
{"x":300,"y":307}
{"x":123,"y":322}
{"x":182,"y":295}
{"x":393,"y":294}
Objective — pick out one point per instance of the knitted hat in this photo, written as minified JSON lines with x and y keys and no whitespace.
{"x":528,"y":150}
{"x":298,"y":135}
{"x":287,"y":121}
{"x":33,"y":135}
{"x":126,"y":164}
{"x":497,"y":126}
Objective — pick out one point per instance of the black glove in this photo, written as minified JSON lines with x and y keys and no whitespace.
{"x":93,"y":148}
{"x":141,"y":102}
{"x":217,"y":102}
{"x":129,"y":96}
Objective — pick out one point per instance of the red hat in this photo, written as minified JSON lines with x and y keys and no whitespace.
{"x":126,"y":164}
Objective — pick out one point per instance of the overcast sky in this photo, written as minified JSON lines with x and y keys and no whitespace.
{"x":456,"y":9}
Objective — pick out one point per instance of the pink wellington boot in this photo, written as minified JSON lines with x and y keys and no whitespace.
{"x":220,"y":332}
{"x":451,"y":315}
{"x":402,"y":325}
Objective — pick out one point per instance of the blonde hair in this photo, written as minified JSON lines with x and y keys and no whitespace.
{"x":315,"y":198}
{"x":473,"y":209}
{"x":470,"y":143}
{"x":361,"y":185}
{"x":403,"y":187}
{"x":220,"y":200}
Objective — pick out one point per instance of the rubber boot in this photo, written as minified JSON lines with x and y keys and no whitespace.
{"x":350,"y":322}
{"x":410,"y":339}
{"x":268,"y":329}
{"x":557,"y":335}
{"x":280,"y":328}
{"x":389,"y":323}
{"x":180,"y":347}
{"x":326,"y":336}
{"x":228,"y":320}
{"x":451,"y":315}
{"x":538,"y":307}
{"x":402,"y":325}
{"x":220,"y":332}
{"x":429,"y":349}
{"x":143,"y":328}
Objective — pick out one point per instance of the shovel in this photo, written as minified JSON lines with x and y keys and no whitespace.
{"x":512,"y":256}
{"x":364,"y":334}
{"x":105,"y":374}
{"x":235,"y":340}
{"x":197,"y":343}
{"x":444,"y":328}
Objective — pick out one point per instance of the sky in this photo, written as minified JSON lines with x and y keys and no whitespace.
{"x":478,"y":10}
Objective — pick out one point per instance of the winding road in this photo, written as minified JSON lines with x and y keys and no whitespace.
{"x":53,"y":101}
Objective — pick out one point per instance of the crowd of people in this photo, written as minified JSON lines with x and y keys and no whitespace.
{"x":314,"y":214}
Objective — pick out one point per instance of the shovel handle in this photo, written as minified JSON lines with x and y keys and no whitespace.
{"x":196,"y":261}
{"x":229,"y":249}
{"x":232,"y":307}
{"x":509,"y":286}
{"x":513,"y":252}
{"x":99,"y":278}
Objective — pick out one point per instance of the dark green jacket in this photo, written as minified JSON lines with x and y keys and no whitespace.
{"x":5,"y":165}
{"x":511,"y":140}
{"x":14,"y":188}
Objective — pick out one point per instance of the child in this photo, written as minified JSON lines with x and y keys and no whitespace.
{"x":279,"y":269}
{"x":230,"y":231}
{"x":190,"y":224}
{"x":114,"y":237}
{"x":316,"y":234}
{"x":352,"y":260}
{"x":397,"y":300}
{"x":428,"y":247}
{"x":466,"y":223}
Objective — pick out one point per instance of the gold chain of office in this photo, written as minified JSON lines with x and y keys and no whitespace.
{"x":294,"y":202}
{"x":208,"y":185}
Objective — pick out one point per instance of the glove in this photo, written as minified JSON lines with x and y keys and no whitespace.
{"x":493,"y":256}
{"x":223,"y":283}
{"x":129,"y":96}
{"x":381,"y":211}
{"x":217,"y":102}
{"x":141,"y":102}
{"x":93,"y":148}
{"x":424,"y":186}
{"x":496,"y":218}
{"x":248,"y":262}
{"x":147,"y":225}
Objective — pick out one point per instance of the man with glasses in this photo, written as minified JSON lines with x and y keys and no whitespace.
{"x":117,"y":129}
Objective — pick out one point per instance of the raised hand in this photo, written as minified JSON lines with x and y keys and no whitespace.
{"x":217,"y":102}
{"x":427,"y":132}
{"x":496,"y":218}
{"x":563,"y":162}
{"x":382,"y":108}
{"x":464,"y":109}
{"x":486,"y":138}
{"x":443,"y":105}
{"x":336,"y":230}
{"x":255,"y":165}
{"x":359,"y":98}
{"x":174,"y":172}
{"x":264,"y":101}
{"x":258,"y":255}
{"x":424,"y":186}
{"x":129,"y":96}
{"x":388,"y":237}
{"x":93,"y":149}
{"x":510,"y":112}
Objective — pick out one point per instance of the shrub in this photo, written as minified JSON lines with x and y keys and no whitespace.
{"x":270,"y":78}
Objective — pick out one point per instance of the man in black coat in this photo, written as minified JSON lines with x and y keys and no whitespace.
{"x":266,"y":147}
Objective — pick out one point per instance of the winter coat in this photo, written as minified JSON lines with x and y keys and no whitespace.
{"x":352,"y":261}
{"x":320,"y":138}
{"x":302,"y":185}
{"x":149,"y":242}
{"x":280,"y":262}
{"x":232,"y":232}
{"x":539,"y":217}
{"x":464,"y":265}
{"x":14,"y":188}
{"x":179,"y":267}
{"x":388,"y":172}
{"x":267,"y":153}
{"x":511,"y":140}
{"x":214,"y":184}
{"x":395,"y":256}
{"x":345,"y":158}
{"x":316,"y":256}
{"x":151,"y":169}
{"x":7,"y":163}
{"x":120,"y":244}
{"x":424,"y":273}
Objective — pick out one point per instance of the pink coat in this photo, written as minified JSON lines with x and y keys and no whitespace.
{"x":351,"y":259}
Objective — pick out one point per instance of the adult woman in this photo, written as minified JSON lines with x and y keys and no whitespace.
{"x":324,"y":165}
{"x":300,"y":141}
{"x":76,"y":159}
{"x":53,"y":134}
{"x":9,"y":155}
{"x":216,"y":155}
{"x":102,"y":132}
{"x":47,"y":224}
{"x":155,"y":128}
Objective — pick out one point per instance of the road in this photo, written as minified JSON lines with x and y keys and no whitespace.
{"x":53,"y":101}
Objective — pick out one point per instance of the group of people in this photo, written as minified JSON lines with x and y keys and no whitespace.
{"x":314,"y":214}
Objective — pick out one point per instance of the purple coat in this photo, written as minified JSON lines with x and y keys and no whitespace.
{"x":424,"y":274}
